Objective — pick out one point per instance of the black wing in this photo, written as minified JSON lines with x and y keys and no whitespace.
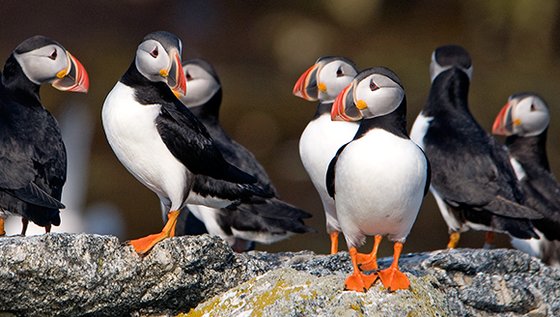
{"x":470,"y":169}
{"x":187,"y":139}
{"x":32,"y":155}
{"x":329,"y":178}
{"x":238,"y":155}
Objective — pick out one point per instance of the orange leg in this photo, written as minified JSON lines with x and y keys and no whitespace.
{"x":2,"y":231}
{"x":145,"y":244}
{"x":334,"y":241}
{"x":453,"y":240}
{"x":358,"y":281}
{"x":391,"y":277}
{"x":368,"y":262}
{"x":489,"y":240}
{"x":24,"y":224}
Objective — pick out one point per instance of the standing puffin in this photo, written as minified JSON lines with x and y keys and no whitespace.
{"x":264,"y":222}
{"x":472,"y":181}
{"x":379,"y":179}
{"x":162,"y":143}
{"x":323,"y":137}
{"x":524,"y":121}
{"x":32,"y":153}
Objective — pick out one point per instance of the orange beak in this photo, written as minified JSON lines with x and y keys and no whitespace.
{"x":503,"y":124}
{"x":176,"y":79}
{"x":306,"y":85}
{"x":344,"y":108}
{"x":73,"y":78}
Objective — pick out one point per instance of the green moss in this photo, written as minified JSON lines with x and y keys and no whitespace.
{"x":99,"y":265}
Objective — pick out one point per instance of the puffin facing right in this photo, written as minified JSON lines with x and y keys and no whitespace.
{"x":32,"y":152}
{"x":524,"y":122}
{"x":380,"y":178}
{"x":162,"y":144}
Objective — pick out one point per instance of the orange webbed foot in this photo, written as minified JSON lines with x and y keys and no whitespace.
{"x":393,"y":279}
{"x":145,"y":244}
{"x":366,"y":262}
{"x":360,"y":282}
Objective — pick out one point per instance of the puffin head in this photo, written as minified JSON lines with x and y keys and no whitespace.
{"x":203,"y":82}
{"x":44,"y":60}
{"x":325,"y":79}
{"x":524,"y":114}
{"x":158,"y":58}
{"x":449,"y":56}
{"x":374,"y":92}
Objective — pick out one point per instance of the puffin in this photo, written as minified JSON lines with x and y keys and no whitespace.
{"x":322,"y":137}
{"x":162,"y":144}
{"x":264,"y":222}
{"x":473,"y":183}
{"x":524,"y":121}
{"x":379,"y":179}
{"x":32,"y":153}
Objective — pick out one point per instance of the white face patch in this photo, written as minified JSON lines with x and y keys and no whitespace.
{"x":530,"y":116}
{"x":380,"y":94}
{"x":335,"y":76}
{"x":202,"y":86}
{"x":151,"y":58}
{"x":436,"y":69}
{"x":42,"y":65}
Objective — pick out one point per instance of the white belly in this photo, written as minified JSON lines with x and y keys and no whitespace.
{"x":131,"y":131}
{"x":379,"y":186}
{"x":317,"y":146}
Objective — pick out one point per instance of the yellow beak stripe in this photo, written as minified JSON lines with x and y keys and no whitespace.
{"x":361,"y":104}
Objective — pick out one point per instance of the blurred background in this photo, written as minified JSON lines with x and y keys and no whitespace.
{"x":259,"y":49}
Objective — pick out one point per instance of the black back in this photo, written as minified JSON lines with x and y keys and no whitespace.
{"x":469,"y":169}
{"x":32,"y":153}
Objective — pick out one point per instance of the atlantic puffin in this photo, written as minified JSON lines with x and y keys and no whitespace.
{"x":472,"y":181}
{"x":161,"y":142}
{"x":322,"y":137}
{"x":379,"y":179}
{"x":524,"y":122}
{"x":32,"y":153}
{"x":266,"y":221}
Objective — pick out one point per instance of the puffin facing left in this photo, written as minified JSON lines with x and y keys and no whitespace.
{"x":32,"y":153}
{"x":379,"y":179}
{"x":162,"y":144}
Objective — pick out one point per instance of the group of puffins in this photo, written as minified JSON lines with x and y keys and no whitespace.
{"x":162,"y":121}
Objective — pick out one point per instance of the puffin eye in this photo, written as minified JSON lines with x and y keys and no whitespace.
{"x":188,"y":75}
{"x":154,"y":52}
{"x":533,"y":108}
{"x":373,"y":86}
{"x":53,"y":55}
{"x":339,"y":72}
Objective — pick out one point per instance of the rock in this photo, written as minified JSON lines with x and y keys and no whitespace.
{"x":73,"y":275}
{"x":287,"y":292}
{"x":78,"y":275}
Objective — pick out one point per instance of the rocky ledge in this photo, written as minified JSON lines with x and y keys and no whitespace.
{"x":79,"y":275}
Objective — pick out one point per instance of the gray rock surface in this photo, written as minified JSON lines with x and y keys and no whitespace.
{"x":91,"y":275}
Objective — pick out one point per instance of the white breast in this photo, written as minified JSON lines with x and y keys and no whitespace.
{"x":131,"y":131}
{"x":419,"y":129}
{"x":317,"y":146}
{"x":379,"y":186}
